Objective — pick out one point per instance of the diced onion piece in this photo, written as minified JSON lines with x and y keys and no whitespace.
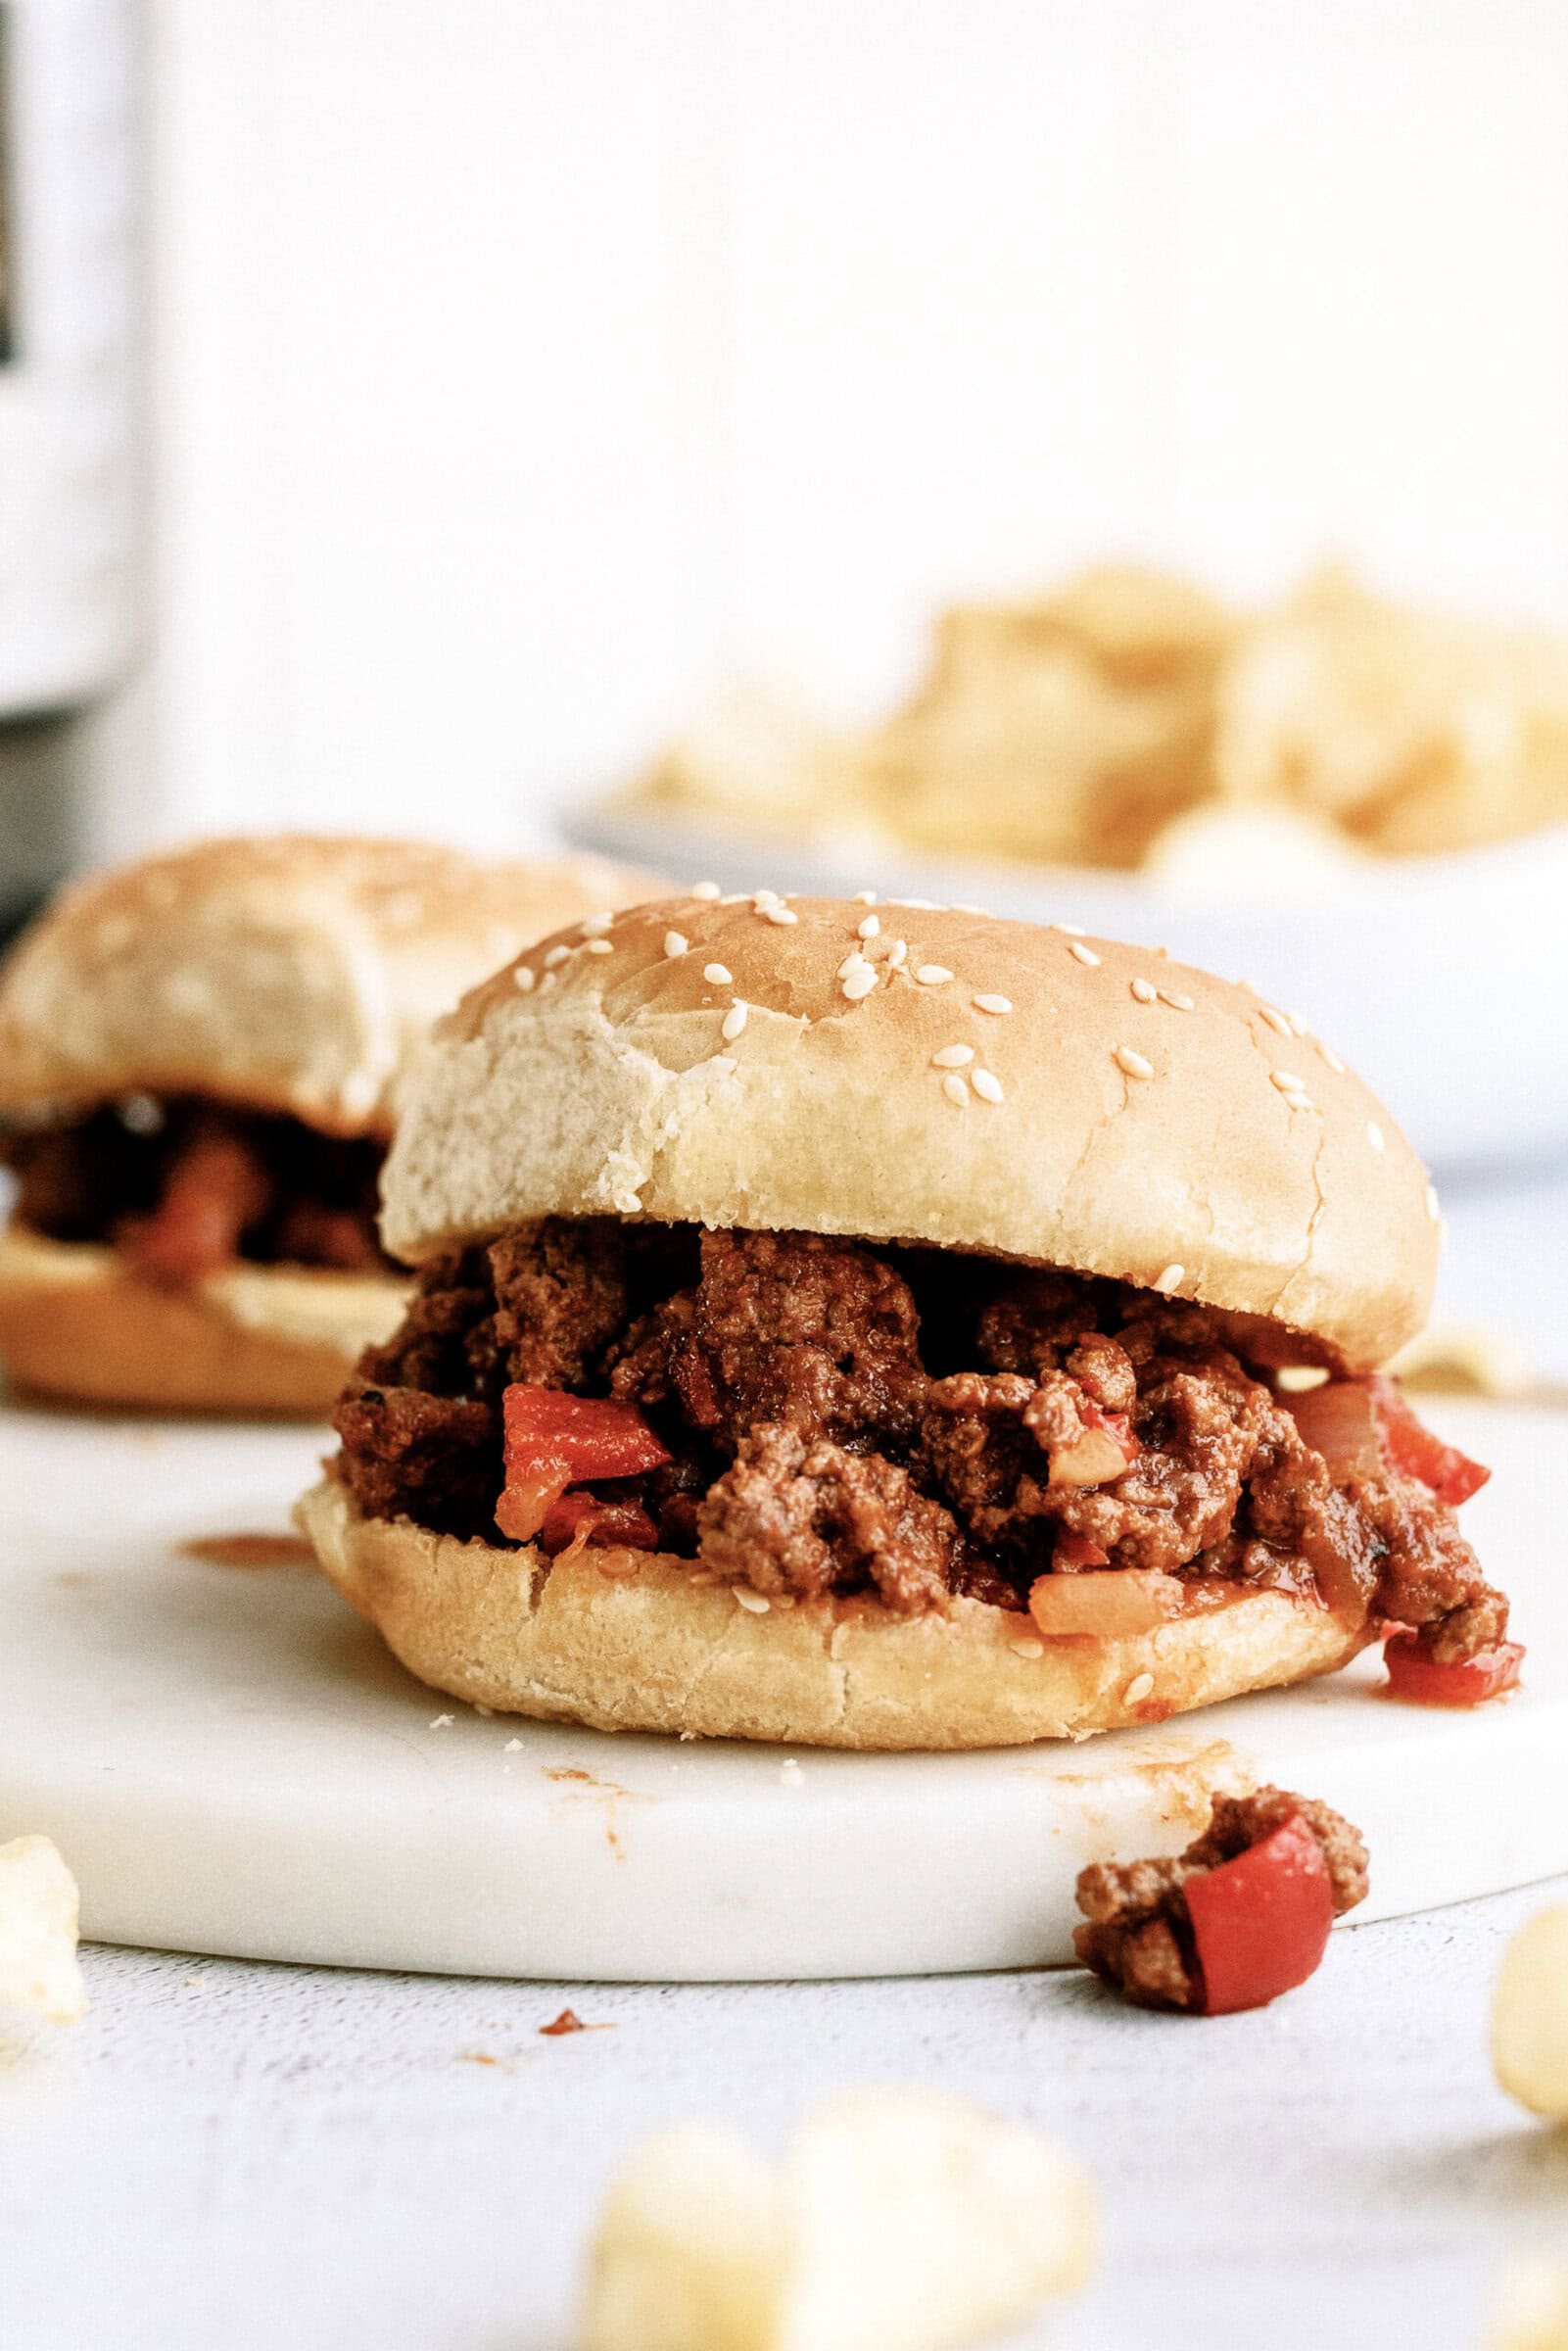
{"x":1109,"y":1604}
{"x":528,"y":1499}
{"x":1340,"y":1422}
{"x":1092,"y":1460}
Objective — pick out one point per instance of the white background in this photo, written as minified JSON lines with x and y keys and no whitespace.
{"x":522,"y":366}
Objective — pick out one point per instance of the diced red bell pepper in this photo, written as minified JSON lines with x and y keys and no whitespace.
{"x":1116,"y":1425}
{"x":583,"y":1518}
{"x":1422,"y":1680}
{"x":594,"y":1436}
{"x":1260,"y":1922}
{"x":552,"y":1440}
{"x":1412,"y":1449}
{"x":214,"y":1189}
{"x":1072,"y":1551}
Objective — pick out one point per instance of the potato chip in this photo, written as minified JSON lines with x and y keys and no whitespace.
{"x":898,"y":2220}
{"x":1087,"y":726}
{"x":39,"y":1971}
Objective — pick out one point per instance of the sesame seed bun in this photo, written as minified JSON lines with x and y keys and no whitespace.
{"x":78,"y":1326}
{"x":628,"y":1641}
{"x":995,"y":1086}
{"x":293,"y":973}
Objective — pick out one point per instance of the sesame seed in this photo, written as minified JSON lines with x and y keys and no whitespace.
{"x":1432,"y":1207}
{"x":992,"y":1003}
{"x":1082,"y":954}
{"x":778,"y":914}
{"x":1071,"y":930}
{"x":545,"y":979}
{"x":1287,"y":1083}
{"x":719,"y":973}
{"x":523,"y":978}
{"x":1171,"y":1279}
{"x":955,"y":1089}
{"x":1374,"y":1134}
{"x":988,"y":1088}
{"x":556,"y":955}
{"x":1145,"y":991}
{"x":1277,"y":1021}
{"x":870,"y":928}
{"x":598,"y":947}
{"x":765,"y":896}
{"x":735,"y":1020}
{"x":922,"y":905}
{"x":1131,"y":1064}
{"x":865,"y":898}
{"x":704,"y":889}
{"x":932,"y":974}
{"x":1138,"y":1689}
{"x":1027,"y":1648}
{"x":1176,"y":1004}
{"x":854,"y":961}
{"x":896,"y":953}
{"x":595,"y":924}
{"x":952,"y":1057}
{"x":960,"y":907}
{"x":859,"y":982}
{"x":1300,"y":1027}
{"x":1333,"y":1060}
{"x":675,"y":943}
{"x":755,"y":1603}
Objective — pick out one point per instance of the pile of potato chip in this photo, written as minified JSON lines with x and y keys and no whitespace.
{"x":1090,"y":727}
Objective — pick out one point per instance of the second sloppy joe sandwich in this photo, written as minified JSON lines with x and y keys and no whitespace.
{"x":201,"y":1057}
{"x":864,"y":1325}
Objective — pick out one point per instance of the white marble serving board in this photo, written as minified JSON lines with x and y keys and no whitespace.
{"x":233,"y":1764}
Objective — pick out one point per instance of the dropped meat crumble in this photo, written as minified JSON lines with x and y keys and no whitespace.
{"x":1139,"y":1932}
{"x":835,"y":1418}
{"x":186,"y":1186}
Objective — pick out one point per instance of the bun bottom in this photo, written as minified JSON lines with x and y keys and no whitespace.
{"x":625,"y":1640}
{"x":78,"y":1326}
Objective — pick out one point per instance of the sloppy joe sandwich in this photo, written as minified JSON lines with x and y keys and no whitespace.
{"x":876,"y":1325}
{"x":200,"y":1060}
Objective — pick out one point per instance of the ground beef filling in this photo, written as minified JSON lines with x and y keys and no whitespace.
{"x":908,"y":1424}
{"x":186,"y":1188}
{"x":1139,"y":1934}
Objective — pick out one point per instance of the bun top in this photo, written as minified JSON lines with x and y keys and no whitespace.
{"x":909,"y":1071}
{"x":294,"y":972}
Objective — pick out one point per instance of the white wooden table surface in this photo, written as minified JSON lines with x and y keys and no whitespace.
{"x":227,"y":2157}
{"x":248,"y":2157}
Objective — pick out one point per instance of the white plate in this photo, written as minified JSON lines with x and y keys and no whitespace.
{"x":232,"y":1764}
{"x":1439,"y":977}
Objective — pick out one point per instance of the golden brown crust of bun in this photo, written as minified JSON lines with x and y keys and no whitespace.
{"x":294,"y":972}
{"x":648,"y":1649}
{"x":1155,"y":1123}
{"x":77,"y":1326}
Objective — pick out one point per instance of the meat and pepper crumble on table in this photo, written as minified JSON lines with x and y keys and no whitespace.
{"x":800,"y":1415}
